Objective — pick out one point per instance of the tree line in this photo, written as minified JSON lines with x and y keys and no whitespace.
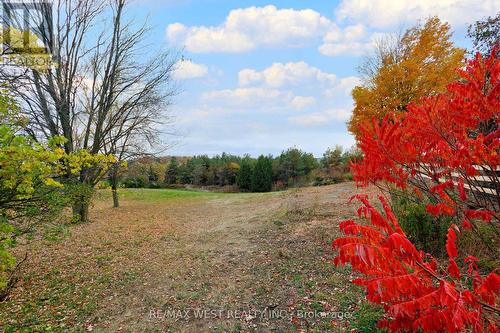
{"x":293,"y":167}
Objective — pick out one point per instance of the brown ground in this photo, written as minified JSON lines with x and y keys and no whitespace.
{"x":142,"y":267}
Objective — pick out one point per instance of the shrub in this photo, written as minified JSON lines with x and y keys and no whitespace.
{"x":425,"y":230}
{"x":417,"y":293}
{"x":434,"y":150}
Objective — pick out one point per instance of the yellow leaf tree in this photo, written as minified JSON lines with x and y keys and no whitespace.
{"x":419,"y":63}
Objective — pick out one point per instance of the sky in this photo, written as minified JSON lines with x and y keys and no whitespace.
{"x":259,"y":77}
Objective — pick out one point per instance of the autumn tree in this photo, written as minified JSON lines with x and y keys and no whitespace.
{"x":419,"y":63}
{"x":436,"y":151}
{"x":31,"y":191}
{"x":26,"y":179}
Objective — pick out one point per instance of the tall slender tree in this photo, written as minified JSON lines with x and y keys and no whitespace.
{"x":262,"y":177}
{"x":244,"y":179}
{"x":172,"y":174}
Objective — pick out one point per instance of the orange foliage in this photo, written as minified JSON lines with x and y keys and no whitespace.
{"x":422,"y":64}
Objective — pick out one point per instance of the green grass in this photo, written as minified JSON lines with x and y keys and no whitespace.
{"x":147,"y":194}
{"x":366,"y":318}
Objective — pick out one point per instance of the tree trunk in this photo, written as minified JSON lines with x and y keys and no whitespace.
{"x":113,"y":177}
{"x":116,"y":204}
{"x":81,"y":210}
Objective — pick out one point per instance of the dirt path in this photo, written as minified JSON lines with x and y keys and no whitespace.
{"x":229,"y":263}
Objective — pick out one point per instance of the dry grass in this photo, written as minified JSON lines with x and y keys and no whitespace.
{"x":162,"y":252}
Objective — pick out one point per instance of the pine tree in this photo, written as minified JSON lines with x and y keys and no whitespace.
{"x":262,"y":177}
{"x":172,"y":173}
{"x":245,"y":175}
{"x":186,"y":172}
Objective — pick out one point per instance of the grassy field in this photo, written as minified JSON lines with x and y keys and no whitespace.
{"x":153,"y":195}
{"x":187,"y":261}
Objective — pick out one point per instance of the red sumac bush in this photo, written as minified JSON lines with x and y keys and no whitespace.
{"x":444,"y":147}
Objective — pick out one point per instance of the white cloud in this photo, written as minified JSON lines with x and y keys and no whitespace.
{"x":302,"y":102}
{"x":279,"y":74}
{"x":323,"y":89}
{"x":335,"y":49}
{"x":354,"y":32}
{"x":321,"y":118}
{"x":344,"y":87}
{"x":187,"y":69}
{"x":391,"y":13}
{"x":208,"y":39}
{"x":248,"y":28}
{"x":247,"y":97}
{"x":262,"y":99}
{"x":353,"y":41}
{"x":349,"y":33}
{"x":301,"y":77}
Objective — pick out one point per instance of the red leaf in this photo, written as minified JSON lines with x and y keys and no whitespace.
{"x":451,"y":247}
{"x":479,"y":214}
{"x":453,"y":269}
{"x":467,"y":225}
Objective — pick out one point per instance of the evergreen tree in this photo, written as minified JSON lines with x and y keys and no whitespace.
{"x":186,"y":172}
{"x":262,"y":177}
{"x":332,"y":158}
{"x":245,"y":175}
{"x":153,"y":177}
{"x":172,"y":173}
{"x":293,"y":164}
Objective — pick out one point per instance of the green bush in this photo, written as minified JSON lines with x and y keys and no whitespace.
{"x":134,"y":182}
{"x":426,"y":231}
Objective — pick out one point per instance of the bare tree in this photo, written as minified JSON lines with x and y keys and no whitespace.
{"x":102,"y":96}
{"x":137,"y":131}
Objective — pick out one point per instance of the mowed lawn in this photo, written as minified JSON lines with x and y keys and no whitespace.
{"x":152,"y":195}
{"x":190,"y":261}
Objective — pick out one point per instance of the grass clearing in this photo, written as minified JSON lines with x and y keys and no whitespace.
{"x":175,"y":250}
{"x":151,"y":195}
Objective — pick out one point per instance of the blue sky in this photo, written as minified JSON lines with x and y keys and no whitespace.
{"x":262,"y":76}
